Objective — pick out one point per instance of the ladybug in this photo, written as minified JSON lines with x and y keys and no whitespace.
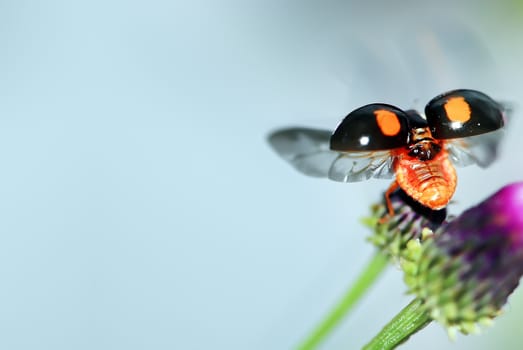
{"x":460,"y":127}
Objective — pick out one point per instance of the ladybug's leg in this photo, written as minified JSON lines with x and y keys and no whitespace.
{"x":393,"y":187}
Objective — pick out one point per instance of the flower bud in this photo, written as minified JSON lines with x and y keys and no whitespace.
{"x":392,"y":233}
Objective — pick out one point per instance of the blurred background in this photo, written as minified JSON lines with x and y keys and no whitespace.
{"x":140,"y":205}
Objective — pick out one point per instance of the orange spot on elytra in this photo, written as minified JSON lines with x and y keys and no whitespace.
{"x":388,"y":122}
{"x":457,"y":109}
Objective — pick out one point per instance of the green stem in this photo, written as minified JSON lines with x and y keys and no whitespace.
{"x":410,"y":320}
{"x":364,"y":281}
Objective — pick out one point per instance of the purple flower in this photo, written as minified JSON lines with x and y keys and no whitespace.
{"x":467,"y":271}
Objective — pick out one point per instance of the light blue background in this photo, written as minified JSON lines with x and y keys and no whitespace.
{"x":140,"y":206}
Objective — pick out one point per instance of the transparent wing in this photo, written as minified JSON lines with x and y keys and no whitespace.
{"x":481,"y":149}
{"x":308,"y":151}
{"x":507,"y":109}
{"x":359,"y":166}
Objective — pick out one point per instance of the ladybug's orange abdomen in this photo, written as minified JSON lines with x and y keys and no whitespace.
{"x":430,"y":182}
